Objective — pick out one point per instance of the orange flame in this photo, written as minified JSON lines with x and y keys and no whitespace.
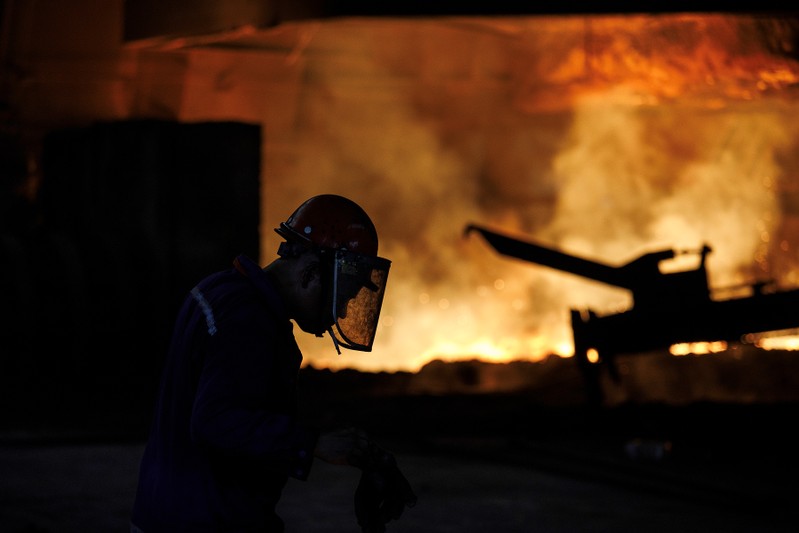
{"x":603,"y":136}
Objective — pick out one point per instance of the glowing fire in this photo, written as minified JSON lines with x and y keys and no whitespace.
{"x":698,"y":348}
{"x":602,"y":136}
{"x":775,"y":340}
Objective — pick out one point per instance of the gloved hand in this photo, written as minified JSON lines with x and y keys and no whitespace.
{"x":383,"y":492}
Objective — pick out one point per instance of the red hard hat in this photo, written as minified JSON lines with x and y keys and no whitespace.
{"x":331,"y":221}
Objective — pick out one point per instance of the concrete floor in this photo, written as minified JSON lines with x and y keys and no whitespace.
{"x":88,"y":487}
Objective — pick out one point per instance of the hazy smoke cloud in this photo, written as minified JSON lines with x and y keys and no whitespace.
{"x":584,"y":148}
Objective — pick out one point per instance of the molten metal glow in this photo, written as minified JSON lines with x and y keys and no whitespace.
{"x":775,"y":340}
{"x":698,"y":348}
{"x":779,"y":343}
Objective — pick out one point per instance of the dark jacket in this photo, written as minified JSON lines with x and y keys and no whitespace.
{"x":224,"y":438}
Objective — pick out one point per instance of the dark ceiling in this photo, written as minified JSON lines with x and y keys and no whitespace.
{"x":146,"y":19}
{"x":511,"y":7}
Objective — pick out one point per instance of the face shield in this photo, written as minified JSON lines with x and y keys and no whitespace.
{"x":358,"y":286}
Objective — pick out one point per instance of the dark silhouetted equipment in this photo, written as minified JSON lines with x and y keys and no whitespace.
{"x":668,"y":307}
{"x":129,"y":215}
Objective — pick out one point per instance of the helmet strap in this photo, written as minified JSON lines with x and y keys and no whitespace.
{"x":335,"y":340}
{"x":325,"y":265}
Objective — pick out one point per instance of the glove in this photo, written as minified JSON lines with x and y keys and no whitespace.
{"x":382,"y":494}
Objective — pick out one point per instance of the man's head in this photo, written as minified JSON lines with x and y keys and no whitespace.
{"x":335,"y":243}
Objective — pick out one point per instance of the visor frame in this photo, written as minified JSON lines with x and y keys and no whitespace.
{"x":340,"y":338}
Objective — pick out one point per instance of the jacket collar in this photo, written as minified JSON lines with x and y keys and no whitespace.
{"x":262,"y":283}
